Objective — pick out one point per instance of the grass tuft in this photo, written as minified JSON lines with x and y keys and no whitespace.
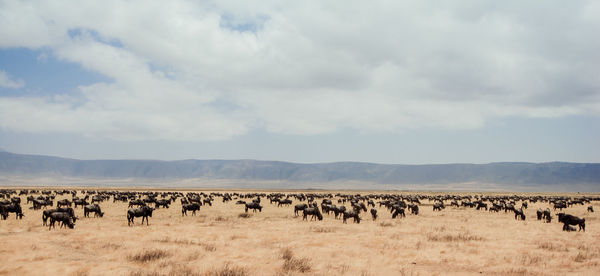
{"x":245,"y":215}
{"x":227,"y":270}
{"x":149,"y":255}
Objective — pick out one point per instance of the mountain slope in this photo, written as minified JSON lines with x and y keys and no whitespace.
{"x":554,"y":173}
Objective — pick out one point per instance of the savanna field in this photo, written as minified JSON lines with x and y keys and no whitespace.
{"x":223,"y":239}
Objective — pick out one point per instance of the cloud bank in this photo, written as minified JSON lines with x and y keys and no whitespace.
{"x":186,"y":71}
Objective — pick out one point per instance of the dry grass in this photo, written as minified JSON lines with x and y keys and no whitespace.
{"x":149,"y":255}
{"x":218,"y":241}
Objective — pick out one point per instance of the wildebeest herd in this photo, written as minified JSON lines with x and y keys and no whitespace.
{"x":314,"y":205}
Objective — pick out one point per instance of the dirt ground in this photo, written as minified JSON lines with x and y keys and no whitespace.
{"x":221,"y":241}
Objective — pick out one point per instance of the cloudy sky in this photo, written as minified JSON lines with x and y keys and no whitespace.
{"x":408,"y":82}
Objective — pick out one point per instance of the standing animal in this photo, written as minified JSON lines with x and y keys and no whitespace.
{"x":300,"y":207}
{"x":374,"y":213}
{"x":438,"y":206}
{"x":314,"y":211}
{"x":519,"y":214}
{"x":92,"y":209}
{"x":64,"y":218}
{"x":162,"y":202}
{"x":190,"y":207}
{"x":46,"y":214}
{"x":590,"y":209}
{"x":571,"y":220}
{"x":5,"y":209}
{"x":144,"y":212}
{"x":254,"y":206}
{"x":64,"y":202}
{"x":352,"y":214}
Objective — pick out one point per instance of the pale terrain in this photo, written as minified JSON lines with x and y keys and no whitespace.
{"x":218,"y":241}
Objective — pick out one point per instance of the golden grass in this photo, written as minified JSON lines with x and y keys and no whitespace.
{"x":220,"y":241}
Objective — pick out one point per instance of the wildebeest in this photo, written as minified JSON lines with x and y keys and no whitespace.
{"x":92,"y":209}
{"x":190,"y":207}
{"x":352,"y":214}
{"x":571,"y":220}
{"x":374,"y":213}
{"x":80,"y":201}
{"x":300,"y":207}
{"x":539,"y":214}
{"x":284,"y":202}
{"x":68,"y":210}
{"x":64,"y":202}
{"x":136,"y":202}
{"x":519,"y":214}
{"x":207,"y":201}
{"x":254,"y":206}
{"x":398,"y":212}
{"x":482,"y":205}
{"x":547,"y":216}
{"x":64,"y":218}
{"x":162,"y":202}
{"x":39,"y":203}
{"x":414,"y":209}
{"x":314,"y":211}
{"x":438,"y":206}
{"x":5,"y":209}
{"x":590,"y":209}
{"x":144,"y":212}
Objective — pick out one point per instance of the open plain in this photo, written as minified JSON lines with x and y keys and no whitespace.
{"x":222,"y":240}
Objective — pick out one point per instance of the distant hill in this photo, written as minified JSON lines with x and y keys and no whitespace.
{"x":554,"y":173}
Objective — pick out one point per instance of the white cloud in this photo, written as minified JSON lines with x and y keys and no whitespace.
{"x":8,"y":82}
{"x":181,"y":73}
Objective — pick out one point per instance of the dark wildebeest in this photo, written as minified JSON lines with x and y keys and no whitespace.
{"x":414,"y":209}
{"x":64,"y":218}
{"x":539,"y":214}
{"x":284,"y":202}
{"x":590,"y":209}
{"x":374,"y":213}
{"x":370,"y":203}
{"x":519,"y":214}
{"x":80,"y":201}
{"x":64,"y":202}
{"x":46,"y":214}
{"x":571,"y":220}
{"x":136,"y":202}
{"x":144,"y":212}
{"x":38,"y":203}
{"x":314,"y":211}
{"x":207,"y":201}
{"x":398,"y":211}
{"x":11,"y":208}
{"x":190,"y":207}
{"x":438,"y":206}
{"x":338,"y":211}
{"x":559,"y":205}
{"x":482,"y":205}
{"x":92,"y":209}
{"x":254,"y":206}
{"x":524,"y":205}
{"x":351,"y":214}
{"x":300,"y":207}
{"x":547,"y":216}
{"x":162,"y":202}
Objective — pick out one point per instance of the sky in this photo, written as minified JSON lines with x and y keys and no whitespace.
{"x":403,"y":82}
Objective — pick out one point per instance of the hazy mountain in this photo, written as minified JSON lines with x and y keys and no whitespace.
{"x":555,"y":173}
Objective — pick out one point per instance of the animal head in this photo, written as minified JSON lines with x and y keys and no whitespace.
{"x":101,"y":214}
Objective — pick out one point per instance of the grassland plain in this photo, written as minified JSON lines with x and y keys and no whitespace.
{"x":221,"y":241}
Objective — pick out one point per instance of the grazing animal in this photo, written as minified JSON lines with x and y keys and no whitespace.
{"x":190,"y":207}
{"x":284,"y":202}
{"x":5,"y":209}
{"x":482,"y":205}
{"x":136,"y":202}
{"x":351,"y":214}
{"x":162,"y":202}
{"x":438,"y":206}
{"x":414,"y":209}
{"x":374,"y":213}
{"x":590,"y":209}
{"x":144,"y":212}
{"x":254,"y":206}
{"x":547,"y":216}
{"x":399,"y":211}
{"x":68,"y":210}
{"x":519,"y":214}
{"x":300,"y":207}
{"x":81,"y":202}
{"x":313,"y":211}
{"x":64,"y":202}
{"x":571,"y":220}
{"x":92,"y":209}
{"x":64,"y":218}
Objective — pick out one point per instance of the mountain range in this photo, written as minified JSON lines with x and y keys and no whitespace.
{"x":504,"y":173}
